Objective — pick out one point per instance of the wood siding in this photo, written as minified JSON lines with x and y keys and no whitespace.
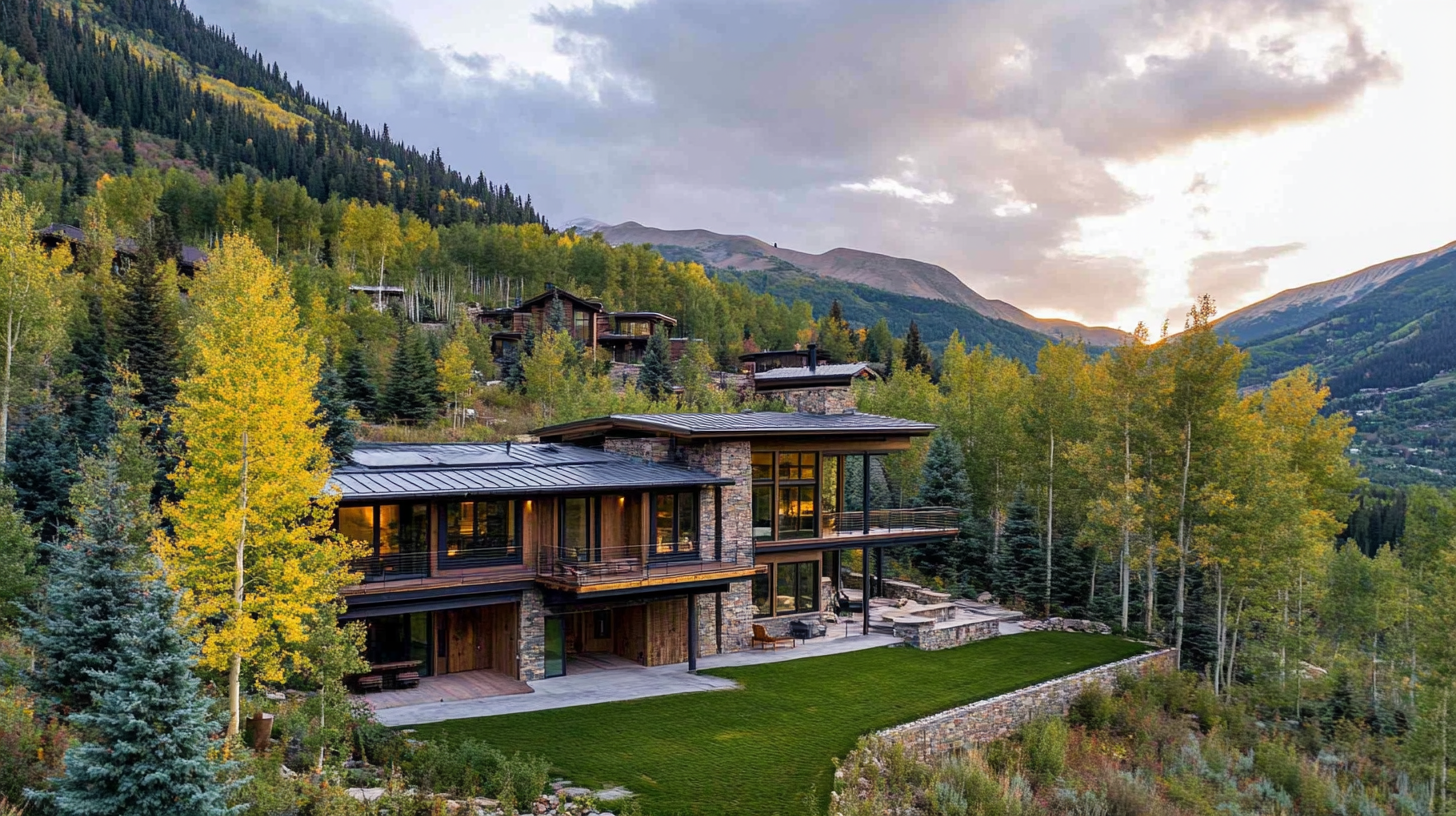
{"x":667,"y":632}
{"x":481,"y":638}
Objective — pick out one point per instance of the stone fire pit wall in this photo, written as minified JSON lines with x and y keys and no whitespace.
{"x":967,"y":726}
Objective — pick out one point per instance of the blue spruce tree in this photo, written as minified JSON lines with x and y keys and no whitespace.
{"x":150,"y":740}
{"x":91,"y":587}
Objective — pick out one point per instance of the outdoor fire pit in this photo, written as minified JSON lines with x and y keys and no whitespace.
{"x":803,"y":629}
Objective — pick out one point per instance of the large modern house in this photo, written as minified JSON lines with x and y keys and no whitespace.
{"x":619,"y":336}
{"x":655,"y":538}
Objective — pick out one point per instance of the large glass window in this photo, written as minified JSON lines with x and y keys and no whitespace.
{"x":637,"y":328}
{"x":398,"y":638}
{"x":785,"y":495}
{"x":398,"y":536}
{"x":574,"y":530}
{"x":675,"y":524}
{"x":794,"y":587}
{"x":581,"y":325}
{"x":480,"y":533}
{"x":761,"y":606}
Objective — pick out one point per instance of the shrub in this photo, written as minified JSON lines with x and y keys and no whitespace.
{"x":378,"y":744}
{"x":1044,"y":741}
{"x":30,"y":750}
{"x":1278,"y":763}
{"x":1092,"y":708}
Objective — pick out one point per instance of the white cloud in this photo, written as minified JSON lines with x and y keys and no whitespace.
{"x":898,"y":189}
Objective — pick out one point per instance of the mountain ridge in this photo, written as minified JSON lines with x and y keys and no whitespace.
{"x":1303,"y":305}
{"x":905,"y":276}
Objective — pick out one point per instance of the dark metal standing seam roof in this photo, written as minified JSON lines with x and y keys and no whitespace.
{"x":405,"y":471}
{"x":827,"y":371}
{"x":747,"y":424}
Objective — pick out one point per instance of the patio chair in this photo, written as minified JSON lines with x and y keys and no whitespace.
{"x":408,"y":679}
{"x":371,"y":682}
{"x":762,"y":639}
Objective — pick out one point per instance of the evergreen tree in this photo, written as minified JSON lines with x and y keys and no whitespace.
{"x":943,"y":484}
{"x":17,"y":557}
{"x":413,"y":391}
{"x":915,"y":354}
{"x":41,"y":467}
{"x":512,"y":371}
{"x":358,"y":384}
{"x":340,"y":426}
{"x":1018,"y":573}
{"x":88,"y":412}
{"x":150,"y":743}
{"x":655,"y":379}
{"x":91,"y":588}
{"x":148,"y":323}
{"x":556,"y":314}
{"x":128,"y":143}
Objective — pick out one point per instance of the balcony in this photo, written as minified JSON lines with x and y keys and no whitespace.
{"x":899,"y":520}
{"x":890,"y":526}
{"x":625,"y":568}
{"x":395,"y":571}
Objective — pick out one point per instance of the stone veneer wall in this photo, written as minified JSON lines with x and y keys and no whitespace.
{"x":733,"y":460}
{"x":960,"y":728}
{"x":531,"y":633}
{"x":836,"y":400}
{"x":925,"y":635}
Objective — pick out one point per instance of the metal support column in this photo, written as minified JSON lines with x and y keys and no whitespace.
{"x":880,"y":568}
{"x":692,"y":632}
{"x":864,"y":594}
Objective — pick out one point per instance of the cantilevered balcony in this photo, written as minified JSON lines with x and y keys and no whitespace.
{"x":604,"y":569}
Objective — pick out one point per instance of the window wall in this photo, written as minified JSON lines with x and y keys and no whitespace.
{"x":789,"y":588}
{"x":397,"y":638}
{"x":481,"y":533}
{"x":675,"y":525}
{"x":398,"y":536}
{"x":785,"y":495}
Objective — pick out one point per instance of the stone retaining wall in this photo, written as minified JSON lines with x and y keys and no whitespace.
{"x":929,"y":637}
{"x":960,"y":728}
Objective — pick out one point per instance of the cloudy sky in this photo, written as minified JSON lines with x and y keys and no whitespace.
{"x":1103,"y":160}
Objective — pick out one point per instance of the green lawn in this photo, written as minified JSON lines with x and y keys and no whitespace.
{"x":761,"y":750}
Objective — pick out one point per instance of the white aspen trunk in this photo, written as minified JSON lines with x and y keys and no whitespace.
{"x":5,"y":388}
{"x":1051,"y":474}
{"x":1445,"y":759}
{"x":1234,"y":646}
{"x":236,"y":664}
{"x":1299,"y":650}
{"x":1219,"y":624}
{"x":1182,"y":545}
{"x":1283,"y":641}
{"x":1092,"y":593}
{"x":1124,"y":580}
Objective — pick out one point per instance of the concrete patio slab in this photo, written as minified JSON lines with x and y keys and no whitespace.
{"x":622,"y":684}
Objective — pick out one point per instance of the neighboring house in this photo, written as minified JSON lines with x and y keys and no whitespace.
{"x":127,"y":249}
{"x":655,"y":538}
{"x":757,"y":362}
{"x":815,"y":387}
{"x":618,"y":336}
{"x":382,"y":295}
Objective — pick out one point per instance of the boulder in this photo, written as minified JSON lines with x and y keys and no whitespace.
{"x":365,"y":794}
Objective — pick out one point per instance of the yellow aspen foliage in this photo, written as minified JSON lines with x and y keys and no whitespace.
{"x":456,"y":378}
{"x":34,"y":293}
{"x":251,"y":550}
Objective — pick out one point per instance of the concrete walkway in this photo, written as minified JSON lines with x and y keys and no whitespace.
{"x":623,"y":684}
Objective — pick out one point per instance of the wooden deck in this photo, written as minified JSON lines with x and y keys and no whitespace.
{"x":448,"y":688}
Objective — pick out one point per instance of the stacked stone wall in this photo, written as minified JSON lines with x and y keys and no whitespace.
{"x":925,"y":635}
{"x":958,"y":729}
{"x":531,"y":636}
{"x":836,"y":400}
{"x":647,"y":449}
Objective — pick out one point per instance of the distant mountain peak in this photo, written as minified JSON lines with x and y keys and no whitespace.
{"x":905,"y":276}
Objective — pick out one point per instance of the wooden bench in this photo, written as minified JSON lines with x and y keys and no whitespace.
{"x":408,"y":679}
{"x":370,"y":682}
{"x":762,"y":639}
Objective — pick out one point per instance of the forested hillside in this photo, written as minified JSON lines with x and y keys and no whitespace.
{"x":151,"y":65}
{"x":1387,"y":358}
{"x":865,"y":305}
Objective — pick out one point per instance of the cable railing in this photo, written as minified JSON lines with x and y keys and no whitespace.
{"x":413,"y":566}
{"x":605,"y":565}
{"x":905,"y":519}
